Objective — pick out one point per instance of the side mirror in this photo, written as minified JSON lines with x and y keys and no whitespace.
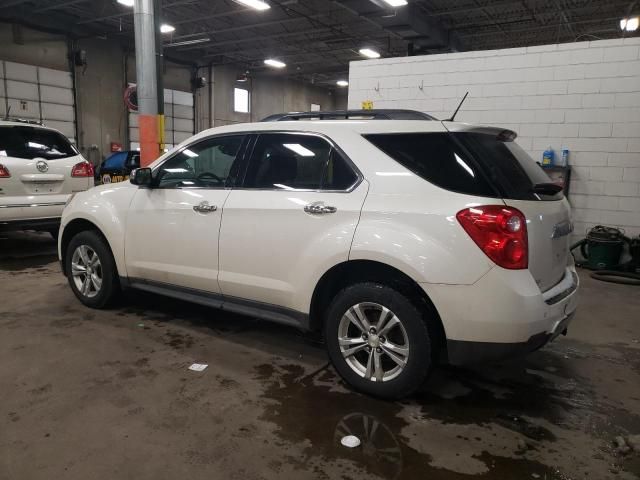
{"x":141,"y":177}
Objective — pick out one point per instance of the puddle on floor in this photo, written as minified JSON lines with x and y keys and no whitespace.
{"x":502,"y":423}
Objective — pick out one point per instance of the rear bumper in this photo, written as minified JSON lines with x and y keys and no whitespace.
{"x":31,"y":208}
{"x":503,"y":314}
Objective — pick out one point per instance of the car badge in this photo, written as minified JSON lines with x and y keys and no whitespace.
{"x":42,"y":166}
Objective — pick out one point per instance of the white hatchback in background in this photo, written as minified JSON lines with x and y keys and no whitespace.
{"x":405,"y":242}
{"x":39,"y":172}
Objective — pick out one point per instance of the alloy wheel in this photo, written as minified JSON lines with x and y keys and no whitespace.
{"x":86,"y":271}
{"x":373,"y":342}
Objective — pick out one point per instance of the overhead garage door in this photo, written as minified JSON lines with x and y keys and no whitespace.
{"x":178,"y":119}
{"x":38,"y":93}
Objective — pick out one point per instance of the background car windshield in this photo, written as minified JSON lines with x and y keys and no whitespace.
{"x":31,"y":142}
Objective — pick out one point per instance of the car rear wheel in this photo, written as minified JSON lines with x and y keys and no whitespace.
{"x":378,"y":341}
{"x":91,"y":270}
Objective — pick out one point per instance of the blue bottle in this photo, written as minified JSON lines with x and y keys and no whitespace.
{"x":547,"y":157}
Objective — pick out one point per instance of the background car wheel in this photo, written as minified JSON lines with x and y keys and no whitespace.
{"x":378,"y":341}
{"x":91,"y":270}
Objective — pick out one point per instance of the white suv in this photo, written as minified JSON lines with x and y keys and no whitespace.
{"x":39,"y":172}
{"x":405,"y":242}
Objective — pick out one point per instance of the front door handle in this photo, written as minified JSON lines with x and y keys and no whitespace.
{"x":204,"y":207}
{"x":319,"y":209}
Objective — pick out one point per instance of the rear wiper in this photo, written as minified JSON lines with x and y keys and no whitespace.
{"x":546,"y":188}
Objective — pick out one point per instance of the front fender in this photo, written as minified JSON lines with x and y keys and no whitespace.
{"x":106,"y":207}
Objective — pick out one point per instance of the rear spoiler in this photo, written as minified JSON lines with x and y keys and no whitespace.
{"x":502,"y":134}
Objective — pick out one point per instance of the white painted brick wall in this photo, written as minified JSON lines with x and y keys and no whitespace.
{"x":584,"y":96}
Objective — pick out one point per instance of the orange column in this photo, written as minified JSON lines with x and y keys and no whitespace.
{"x":149,"y":139}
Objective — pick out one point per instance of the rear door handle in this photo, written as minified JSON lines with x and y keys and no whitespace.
{"x":204,"y":207}
{"x":319,"y":209}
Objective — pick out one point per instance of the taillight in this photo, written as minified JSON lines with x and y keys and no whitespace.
{"x":82,"y":169}
{"x":4,"y":172}
{"x":500,"y":232}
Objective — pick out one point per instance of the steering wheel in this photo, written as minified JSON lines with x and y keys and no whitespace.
{"x":205,"y":175}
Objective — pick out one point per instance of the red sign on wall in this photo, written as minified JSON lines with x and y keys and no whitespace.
{"x":116,"y":147}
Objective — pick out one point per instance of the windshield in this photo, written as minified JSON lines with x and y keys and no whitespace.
{"x":32,"y":142}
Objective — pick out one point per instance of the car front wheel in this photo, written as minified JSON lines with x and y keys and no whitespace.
{"x":378,"y":340}
{"x":91,"y":270}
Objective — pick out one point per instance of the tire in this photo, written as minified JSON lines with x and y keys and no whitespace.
{"x":409,"y":330}
{"x":98,"y":294}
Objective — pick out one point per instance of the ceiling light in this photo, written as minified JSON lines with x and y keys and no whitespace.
{"x":369,"y":53}
{"x":342,"y":83}
{"x":396,"y":3}
{"x":186,"y":42}
{"x":629,"y":24}
{"x":274,"y":63}
{"x":166,"y":28}
{"x":126,"y":3}
{"x":257,"y":4}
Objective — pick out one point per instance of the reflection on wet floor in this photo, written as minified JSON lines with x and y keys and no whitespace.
{"x":501,"y":422}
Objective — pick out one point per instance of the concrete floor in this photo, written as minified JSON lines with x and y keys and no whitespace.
{"x":107,"y":395}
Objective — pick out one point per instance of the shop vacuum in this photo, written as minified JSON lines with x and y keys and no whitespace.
{"x":602,"y":250}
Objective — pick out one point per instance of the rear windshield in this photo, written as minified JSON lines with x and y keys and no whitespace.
{"x":30,"y":142}
{"x":478,"y":164}
{"x":507,"y":165}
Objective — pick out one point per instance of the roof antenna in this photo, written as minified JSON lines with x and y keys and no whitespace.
{"x":456,"y":112}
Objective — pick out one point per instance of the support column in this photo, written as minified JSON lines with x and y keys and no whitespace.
{"x":146,"y":80}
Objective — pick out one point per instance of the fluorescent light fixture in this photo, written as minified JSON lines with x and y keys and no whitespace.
{"x":274,"y":63}
{"x":629,"y":24}
{"x":342,"y":83}
{"x":166,"y":28}
{"x":370,"y":53}
{"x":299,"y":149}
{"x":126,"y":3}
{"x":257,"y":4}
{"x":187,"y":42}
{"x":396,"y":3}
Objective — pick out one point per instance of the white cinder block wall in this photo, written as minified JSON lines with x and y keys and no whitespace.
{"x":584,"y":96}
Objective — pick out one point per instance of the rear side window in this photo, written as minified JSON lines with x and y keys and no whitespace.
{"x":507,"y":165}
{"x":115,"y":161}
{"x":437,"y":158}
{"x":285,"y":161}
{"x":30,"y":142}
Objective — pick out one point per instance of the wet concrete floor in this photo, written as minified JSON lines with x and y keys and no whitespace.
{"x":107,"y":394}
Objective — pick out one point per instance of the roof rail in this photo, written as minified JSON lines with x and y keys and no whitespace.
{"x":384,"y":114}
{"x":22,"y":120}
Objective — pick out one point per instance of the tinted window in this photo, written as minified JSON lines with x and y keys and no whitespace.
{"x":290,"y":161}
{"x":205,"y":164}
{"x":30,"y":142}
{"x":437,"y":158}
{"x":115,"y":161}
{"x":507,"y":165}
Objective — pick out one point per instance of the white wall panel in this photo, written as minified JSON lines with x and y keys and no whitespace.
{"x":52,"y":111}
{"x":55,"y":78}
{"x":24,"y":109}
{"x":584,"y":96}
{"x":59,"y":95}
{"x":20,"y":71}
{"x":22,"y":90}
